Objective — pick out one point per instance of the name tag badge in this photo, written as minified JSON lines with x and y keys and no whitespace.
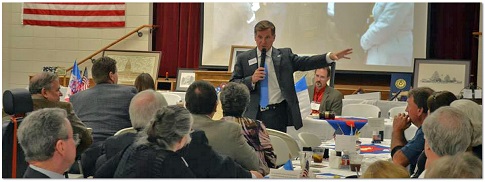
{"x":315,"y":106}
{"x":252,"y":61}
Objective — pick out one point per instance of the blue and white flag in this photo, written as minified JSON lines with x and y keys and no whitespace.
{"x":301,"y":89}
{"x":75,"y":82}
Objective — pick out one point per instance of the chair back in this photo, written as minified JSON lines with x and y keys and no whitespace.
{"x":125,"y":130}
{"x":281,"y":150}
{"x":361,"y":110}
{"x":290,"y":141}
{"x":396,"y":110}
{"x":172,"y":99}
{"x":309,"y":139}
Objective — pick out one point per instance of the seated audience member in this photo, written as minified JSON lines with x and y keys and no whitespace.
{"x":48,"y":142}
{"x":224,"y":137}
{"x":461,"y":165}
{"x":44,"y":88}
{"x":234,"y":99}
{"x":406,"y":152}
{"x":385,"y":169}
{"x":202,"y":160}
{"x":473,"y":111}
{"x":327,"y":97}
{"x":447,"y":131}
{"x":153,"y":154}
{"x":104,"y":107}
{"x":144,"y":81}
{"x":435,"y":101}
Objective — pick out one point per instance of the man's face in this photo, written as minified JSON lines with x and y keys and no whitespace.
{"x":321,"y":78}
{"x":264,"y":39}
{"x":413,"y":110}
{"x":53,"y":94}
{"x":69,"y":153}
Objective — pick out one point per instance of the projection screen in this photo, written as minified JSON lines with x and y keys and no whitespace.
{"x":386,"y":37}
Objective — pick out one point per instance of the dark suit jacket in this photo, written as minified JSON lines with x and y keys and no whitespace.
{"x":78,"y":127}
{"x":31,"y":173}
{"x":285,"y":64}
{"x":104,"y":108}
{"x":203,"y":161}
{"x":332,"y":100}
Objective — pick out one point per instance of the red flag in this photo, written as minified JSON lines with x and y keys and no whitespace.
{"x":93,"y":14}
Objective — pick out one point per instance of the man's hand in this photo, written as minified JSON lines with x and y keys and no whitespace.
{"x":341,"y":54}
{"x":259,"y":74}
{"x":257,"y":174}
{"x":401,"y":122}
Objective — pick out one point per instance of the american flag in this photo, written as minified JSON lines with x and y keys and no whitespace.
{"x":304,"y":173}
{"x":85,"y":79}
{"x":72,"y":14}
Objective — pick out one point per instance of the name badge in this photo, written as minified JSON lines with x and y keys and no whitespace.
{"x":315,"y":106}
{"x":252,"y":61}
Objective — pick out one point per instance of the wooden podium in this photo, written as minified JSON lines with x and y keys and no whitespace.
{"x":214,"y":77}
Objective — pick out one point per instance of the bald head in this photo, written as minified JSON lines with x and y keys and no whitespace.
{"x":143,"y":107}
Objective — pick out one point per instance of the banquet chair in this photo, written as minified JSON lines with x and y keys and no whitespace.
{"x":290,"y":141}
{"x":280,"y":149}
{"x":361,"y":110}
{"x":309,"y":139}
{"x":172,"y":99}
{"x":396,"y":110}
{"x":125,"y":130}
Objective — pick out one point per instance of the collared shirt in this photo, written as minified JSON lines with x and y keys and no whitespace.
{"x":318,"y":94}
{"x":275,"y":95}
{"x":48,"y":173}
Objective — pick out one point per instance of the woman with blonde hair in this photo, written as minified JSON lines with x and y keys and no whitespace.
{"x":385,"y":169}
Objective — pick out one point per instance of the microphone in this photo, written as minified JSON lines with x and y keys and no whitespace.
{"x":263,"y":57}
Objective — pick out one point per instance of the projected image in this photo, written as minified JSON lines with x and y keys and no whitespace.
{"x":384,"y":36}
{"x":389,"y":39}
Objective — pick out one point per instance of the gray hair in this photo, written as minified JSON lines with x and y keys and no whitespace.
{"x":169,"y":126}
{"x":447,"y":131}
{"x":39,"y":132}
{"x":234,"y":99}
{"x":143,"y":107}
{"x":474,"y":112}
{"x":42,"y":81}
{"x":462,"y":165}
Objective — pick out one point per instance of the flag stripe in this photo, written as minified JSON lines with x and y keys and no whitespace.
{"x":75,"y":13}
{"x":74,"y":7}
{"x":74,"y":24}
{"x":75,"y":18}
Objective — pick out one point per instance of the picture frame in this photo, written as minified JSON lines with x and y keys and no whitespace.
{"x":441,"y":74}
{"x":236,"y":50}
{"x":185,"y":77}
{"x":130,"y":64}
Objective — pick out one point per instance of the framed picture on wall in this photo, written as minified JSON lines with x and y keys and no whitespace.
{"x":185,"y":77}
{"x":236,"y":50}
{"x":440,"y":74}
{"x":130,"y":64}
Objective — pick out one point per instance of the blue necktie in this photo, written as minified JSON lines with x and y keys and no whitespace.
{"x":264,"y":84}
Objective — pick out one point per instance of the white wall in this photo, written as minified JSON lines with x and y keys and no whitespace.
{"x":26,"y":49}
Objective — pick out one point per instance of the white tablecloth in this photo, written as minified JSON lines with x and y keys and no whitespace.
{"x":325,"y":132}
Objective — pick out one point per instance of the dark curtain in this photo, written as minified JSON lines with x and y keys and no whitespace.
{"x":178,"y":36}
{"x":450,"y":32}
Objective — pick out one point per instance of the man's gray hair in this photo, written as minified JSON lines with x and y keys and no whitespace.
{"x":234,"y":99}
{"x":169,"y":126}
{"x":462,"y":165}
{"x":143,"y":107}
{"x":447,"y":131}
{"x":474,"y":112}
{"x":40,"y":81}
{"x":39,"y":132}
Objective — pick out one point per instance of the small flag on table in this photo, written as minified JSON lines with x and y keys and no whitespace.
{"x":74,"y":82}
{"x":288,"y":165}
{"x":85,"y":79}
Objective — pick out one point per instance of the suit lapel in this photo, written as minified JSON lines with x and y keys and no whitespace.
{"x":276,"y":57}
{"x":253,"y":55}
